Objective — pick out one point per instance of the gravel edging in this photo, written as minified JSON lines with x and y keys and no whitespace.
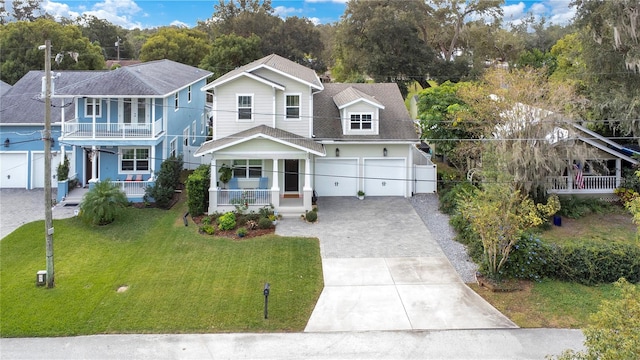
{"x":427,"y":205}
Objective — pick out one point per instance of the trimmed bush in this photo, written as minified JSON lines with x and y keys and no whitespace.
{"x":530,"y":259}
{"x":311,"y":216}
{"x":198,"y":190}
{"x":264,"y":223}
{"x":166,"y":182}
{"x":227,"y":221}
{"x":208,"y":229}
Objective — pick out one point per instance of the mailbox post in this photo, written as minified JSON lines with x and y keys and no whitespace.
{"x":266,"y":300}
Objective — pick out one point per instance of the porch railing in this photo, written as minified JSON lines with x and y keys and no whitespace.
{"x":133,"y":189}
{"x":244,"y":196}
{"x":75,"y":129}
{"x":567,"y":184}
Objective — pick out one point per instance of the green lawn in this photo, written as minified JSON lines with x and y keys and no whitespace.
{"x":179,"y":281}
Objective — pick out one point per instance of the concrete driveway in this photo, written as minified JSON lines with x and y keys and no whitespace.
{"x":21,"y":206}
{"x":383,"y":270}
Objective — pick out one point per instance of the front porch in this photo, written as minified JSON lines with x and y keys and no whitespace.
{"x":254,"y":199}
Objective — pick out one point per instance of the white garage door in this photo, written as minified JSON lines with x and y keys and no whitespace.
{"x":336,"y":177}
{"x":38,"y":170}
{"x":384,"y":177}
{"x":13,"y":170}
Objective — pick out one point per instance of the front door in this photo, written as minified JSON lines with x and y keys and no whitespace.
{"x":291,"y":175}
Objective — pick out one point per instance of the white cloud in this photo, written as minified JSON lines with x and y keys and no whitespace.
{"x":315,"y":20}
{"x":561,"y":12}
{"x":179,"y":23}
{"x":327,"y":1}
{"x":59,"y":10}
{"x":283,"y":11}
{"x":513,"y":12}
{"x":117,"y":12}
{"x":538,"y":9}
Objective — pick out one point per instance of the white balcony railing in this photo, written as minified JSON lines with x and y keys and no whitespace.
{"x":592,"y":184}
{"x":74,"y":129}
{"x":244,"y":196}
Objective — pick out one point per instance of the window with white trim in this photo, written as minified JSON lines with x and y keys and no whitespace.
{"x":247,"y":169}
{"x":189,"y":94}
{"x":193,"y":131}
{"x":245,"y":107}
{"x":88,"y":107}
{"x":176,"y":102}
{"x":292,"y":106}
{"x":360,"y":121}
{"x":185,"y":136}
{"x":134,"y":159}
{"x":173,"y":148}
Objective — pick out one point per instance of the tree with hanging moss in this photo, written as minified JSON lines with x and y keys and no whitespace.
{"x":102,"y":204}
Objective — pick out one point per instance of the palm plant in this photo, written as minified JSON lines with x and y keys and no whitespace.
{"x":101,"y":204}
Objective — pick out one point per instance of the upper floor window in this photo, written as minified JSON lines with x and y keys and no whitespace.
{"x":189,"y":94}
{"x":91,"y":104}
{"x":360,"y":122}
{"x":193,"y":131}
{"x":176,"y":103}
{"x":245,"y":107}
{"x":185,"y":136}
{"x":173,"y":148}
{"x":247,"y":169}
{"x":293,"y":106}
{"x":134,"y":159}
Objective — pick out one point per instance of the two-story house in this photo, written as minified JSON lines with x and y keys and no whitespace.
{"x":118,"y":125}
{"x":127,"y":121}
{"x":285,"y":134}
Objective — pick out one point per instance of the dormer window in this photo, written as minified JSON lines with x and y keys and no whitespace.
{"x":361,"y":121}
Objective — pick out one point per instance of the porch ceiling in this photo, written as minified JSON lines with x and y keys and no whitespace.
{"x":263,"y":132}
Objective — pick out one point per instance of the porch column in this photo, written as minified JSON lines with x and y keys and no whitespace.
{"x":275,"y":189}
{"x":93,"y":117}
{"x":571,"y":175}
{"x":152,"y":161}
{"x":94,"y":163}
{"x":213,"y":188}
{"x":618,"y":172}
{"x":306,"y":189}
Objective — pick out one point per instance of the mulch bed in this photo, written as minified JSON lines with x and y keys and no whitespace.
{"x":231,"y":234}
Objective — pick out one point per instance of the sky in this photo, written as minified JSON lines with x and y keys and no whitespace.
{"x":131,"y":14}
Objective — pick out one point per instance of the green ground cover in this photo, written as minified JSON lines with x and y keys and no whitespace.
{"x":178,"y":280}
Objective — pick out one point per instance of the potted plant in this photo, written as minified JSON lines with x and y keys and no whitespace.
{"x":360,"y":194}
{"x":274,"y":219}
{"x":225,"y":174}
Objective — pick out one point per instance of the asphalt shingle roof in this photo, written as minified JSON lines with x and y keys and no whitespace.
{"x":154,"y":78}
{"x":265,"y":131}
{"x":4,"y":87}
{"x":278,"y":63}
{"x":350,"y":95}
{"x":395,"y":121}
{"x":22,"y":104}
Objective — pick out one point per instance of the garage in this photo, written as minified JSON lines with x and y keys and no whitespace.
{"x":38,"y":170}
{"x":336,"y":177}
{"x":385,"y":177}
{"x":13,"y":170}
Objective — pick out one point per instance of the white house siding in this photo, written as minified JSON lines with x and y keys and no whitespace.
{"x":226,"y":117}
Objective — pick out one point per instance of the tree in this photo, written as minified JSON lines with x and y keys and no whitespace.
{"x":522,"y":112}
{"x":102,"y":204}
{"x":167,"y":181}
{"x":105,"y":34}
{"x":499,"y":213}
{"x":19,"y":42}
{"x":613,"y":332}
{"x":381,"y":39}
{"x":27,"y":10}
{"x":229,"y":52}
{"x":185,"y":46}
{"x":298,"y":40}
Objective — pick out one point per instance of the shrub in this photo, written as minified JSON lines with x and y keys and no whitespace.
{"x":465,"y":235}
{"x":252,"y":224}
{"x":167,"y":181}
{"x":198,"y":190}
{"x":102,"y":204}
{"x":241,"y":232}
{"x":574,"y":207}
{"x":626,"y":195}
{"x":227,"y":221}
{"x":530,"y":259}
{"x":206,"y":220}
{"x":62,"y":171}
{"x":264,"y":223}
{"x":208,"y":229}
{"x":311,"y":216}
{"x":449,"y":200}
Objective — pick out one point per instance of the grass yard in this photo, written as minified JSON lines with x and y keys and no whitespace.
{"x":178,"y":280}
{"x":557,"y":304}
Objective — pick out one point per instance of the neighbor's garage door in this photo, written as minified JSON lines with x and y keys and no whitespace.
{"x":336,"y":177}
{"x":38,"y":170}
{"x":384,"y":177}
{"x":13,"y":170}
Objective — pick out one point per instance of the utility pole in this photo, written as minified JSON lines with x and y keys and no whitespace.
{"x":118,"y":48}
{"x":46,"y":137}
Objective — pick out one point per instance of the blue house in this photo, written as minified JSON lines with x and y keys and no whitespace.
{"x":120,"y":125}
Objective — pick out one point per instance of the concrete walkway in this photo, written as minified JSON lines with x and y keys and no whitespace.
{"x":383,"y":270}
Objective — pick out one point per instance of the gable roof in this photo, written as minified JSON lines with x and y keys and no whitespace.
{"x":604,"y":144}
{"x":265,"y":132}
{"x":274,"y":63}
{"x":395,"y":121}
{"x":23,"y":105}
{"x":153,"y":78}
{"x":4,"y":87}
{"x":350,"y":96}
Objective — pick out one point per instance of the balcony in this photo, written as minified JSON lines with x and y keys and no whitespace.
{"x":73,"y":129}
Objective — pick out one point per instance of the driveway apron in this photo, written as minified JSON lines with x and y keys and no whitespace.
{"x":383,"y":270}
